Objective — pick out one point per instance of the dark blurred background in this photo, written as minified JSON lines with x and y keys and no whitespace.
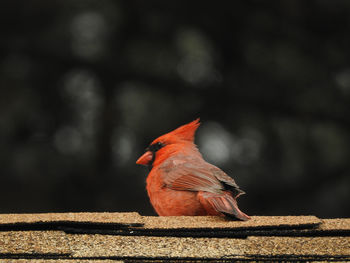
{"x":87,"y":84}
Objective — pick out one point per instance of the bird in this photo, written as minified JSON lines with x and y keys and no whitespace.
{"x":181,"y":183}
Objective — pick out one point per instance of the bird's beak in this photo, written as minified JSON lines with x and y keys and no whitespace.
{"x":146,"y":158}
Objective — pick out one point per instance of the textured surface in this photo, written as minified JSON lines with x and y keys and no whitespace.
{"x":265,"y":238}
{"x":81,"y":246}
{"x":335,"y":224}
{"x":34,"y":242}
{"x":182,"y":222}
{"x":119,"y":218}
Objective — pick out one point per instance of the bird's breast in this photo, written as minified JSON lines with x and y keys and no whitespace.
{"x":169,"y":202}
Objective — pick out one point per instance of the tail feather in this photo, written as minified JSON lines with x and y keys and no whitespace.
{"x":225,"y":204}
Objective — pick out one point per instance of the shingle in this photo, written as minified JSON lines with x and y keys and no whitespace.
{"x":258,"y":222}
{"x":335,"y":224}
{"x":267,"y":238}
{"x":107,"y":218}
{"x":206,"y":226}
{"x":328,"y":227}
{"x":153,"y":222}
{"x":105,"y":246}
{"x":322,"y":246}
{"x":134,"y":224}
{"x":159,"y":247}
{"x":34,"y":242}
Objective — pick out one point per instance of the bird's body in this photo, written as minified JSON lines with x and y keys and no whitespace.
{"x":181,"y":182}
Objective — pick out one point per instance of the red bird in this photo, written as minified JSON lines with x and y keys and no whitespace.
{"x":181,"y":183}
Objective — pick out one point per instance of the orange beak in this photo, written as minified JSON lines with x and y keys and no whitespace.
{"x":146,"y":158}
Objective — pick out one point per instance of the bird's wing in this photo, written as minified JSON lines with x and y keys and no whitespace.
{"x":194,"y":174}
{"x":227,"y":181}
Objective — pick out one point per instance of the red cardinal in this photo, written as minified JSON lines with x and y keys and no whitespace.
{"x":181,"y":183}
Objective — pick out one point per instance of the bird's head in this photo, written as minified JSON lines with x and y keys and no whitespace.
{"x":162,"y":147}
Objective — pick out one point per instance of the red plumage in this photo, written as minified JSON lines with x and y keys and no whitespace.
{"x":181,"y":182}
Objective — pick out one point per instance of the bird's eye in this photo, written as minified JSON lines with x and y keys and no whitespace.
{"x":155,"y":147}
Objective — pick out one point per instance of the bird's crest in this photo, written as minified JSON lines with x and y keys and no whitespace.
{"x":184,"y":133}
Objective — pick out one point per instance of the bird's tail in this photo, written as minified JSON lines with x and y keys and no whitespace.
{"x":224,"y":203}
